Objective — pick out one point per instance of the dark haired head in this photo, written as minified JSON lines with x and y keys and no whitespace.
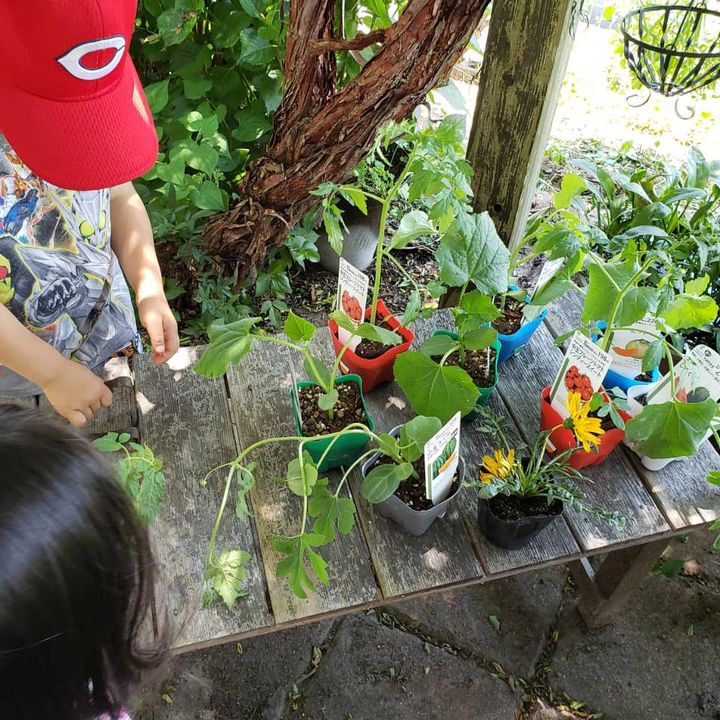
{"x":76,"y":576}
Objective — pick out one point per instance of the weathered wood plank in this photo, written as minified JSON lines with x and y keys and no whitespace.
{"x":28,"y":402}
{"x":614,"y":484}
{"x":184,"y":418}
{"x":680,"y":489}
{"x":261,"y":408}
{"x":555,"y":541}
{"x":529,"y":42}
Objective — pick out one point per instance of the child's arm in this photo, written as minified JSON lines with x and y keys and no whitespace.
{"x":132,"y":241}
{"x":71,"y":388}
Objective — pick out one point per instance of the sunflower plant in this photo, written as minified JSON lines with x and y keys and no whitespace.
{"x":525,"y":471}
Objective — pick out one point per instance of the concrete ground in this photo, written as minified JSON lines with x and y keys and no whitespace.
{"x":513,"y":649}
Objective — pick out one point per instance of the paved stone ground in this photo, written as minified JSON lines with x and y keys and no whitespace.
{"x":515,"y":648}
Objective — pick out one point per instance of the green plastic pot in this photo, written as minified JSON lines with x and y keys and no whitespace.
{"x":485,"y":392}
{"x":345,"y":450}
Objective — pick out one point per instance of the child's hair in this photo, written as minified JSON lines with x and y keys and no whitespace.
{"x":76,"y":577}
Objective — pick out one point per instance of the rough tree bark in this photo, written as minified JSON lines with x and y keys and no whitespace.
{"x":321,"y":133}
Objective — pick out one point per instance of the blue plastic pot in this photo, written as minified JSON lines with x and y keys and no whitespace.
{"x":513,"y":344}
{"x":615,"y":379}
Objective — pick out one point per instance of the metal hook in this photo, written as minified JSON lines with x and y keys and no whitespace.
{"x":635,"y":103}
{"x":690,"y":110}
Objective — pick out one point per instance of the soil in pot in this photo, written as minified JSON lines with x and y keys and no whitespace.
{"x":644,"y":377}
{"x":349,"y":409}
{"x":372,"y":349}
{"x":412,"y":491}
{"x":512,"y":317}
{"x":476,"y":365}
{"x":514,"y":507}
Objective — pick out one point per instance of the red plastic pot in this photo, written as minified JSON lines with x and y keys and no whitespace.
{"x":378,"y":370}
{"x":564,"y":439}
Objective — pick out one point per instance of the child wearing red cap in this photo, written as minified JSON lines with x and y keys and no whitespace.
{"x":75,"y":130}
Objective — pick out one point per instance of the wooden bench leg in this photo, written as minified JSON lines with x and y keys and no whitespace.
{"x":604,"y":591}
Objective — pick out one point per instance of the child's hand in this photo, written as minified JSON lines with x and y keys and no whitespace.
{"x":76,"y":393}
{"x":157,"y":318}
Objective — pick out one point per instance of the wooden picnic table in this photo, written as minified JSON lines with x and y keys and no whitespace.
{"x":195,"y":424}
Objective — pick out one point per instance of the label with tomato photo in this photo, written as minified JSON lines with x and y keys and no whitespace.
{"x":442,"y":455}
{"x":351,"y":298}
{"x":628,"y":346}
{"x":582,"y":371}
{"x":697,"y":378}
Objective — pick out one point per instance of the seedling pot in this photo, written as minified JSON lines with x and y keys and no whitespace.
{"x":485,"y":392}
{"x":346,"y":449}
{"x":512,"y":534}
{"x":414,"y":522}
{"x":378,"y":370}
{"x":514,"y":343}
{"x":615,"y":379}
{"x":564,"y":439}
{"x":359,"y":240}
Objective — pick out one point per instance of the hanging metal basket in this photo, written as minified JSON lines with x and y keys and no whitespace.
{"x":673,"y":49}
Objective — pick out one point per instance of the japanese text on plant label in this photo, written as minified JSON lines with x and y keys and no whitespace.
{"x":582,"y":371}
{"x":697,"y":378}
{"x":546,"y":274}
{"x":442,"y":455}
{"x":628,"y":346}
{"x":351,"y":298}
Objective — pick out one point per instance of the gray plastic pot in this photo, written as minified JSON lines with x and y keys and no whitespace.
{"x":359,"y":241}
{"x":413,"y":522}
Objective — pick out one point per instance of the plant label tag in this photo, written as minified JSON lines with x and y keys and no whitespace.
{"x":628,"y":346}
{"x":549,"y":269}
{"x":351,"y":298}
{"x":442,"y":455}
{"x":697,"y":378}
{"x":583,"y":370}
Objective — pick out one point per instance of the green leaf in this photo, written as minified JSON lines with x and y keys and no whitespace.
{"x":413,"y":310}
{"x":477,"y":303}
{"x":250,"y":7}
{"x":670,"y":429}
{"x":355,"y":197}
{"x":226,"y":575}
{"x":203,"y":157}
{"x":554,"y":288}
{"x":414,"y":224}
{"x":108,"y":443}
{"x":251,"y":126}
{"x":195,"y":88}
{"x":436,"y":288}
{"x":438,"y":345}
{"x":293,"y":567}
{"x":255,"y":49}
{"x":689,"y":311}
{"x":669,"y":568}
{"x":317,"y":371}
{"x":570,"y":187}
{"x":176,"y":23}
{"x":150,"y":496}
{"x":432,"y":389}
{"x":697,"y":286}
{"x":334,"y":514}
{"x":653,"y":355}
{"x":328,"y":401}
{"x":229,"y":343}
{"x":298,"y":329}
{"x":390,"y":446}
{"x":383,"y":480}
{"x":301,"y":483}
{"x":414,"y":435}
{"x":494,"y":621}
{"x":471,"y":251}
{"x":366,"y":330}
{"x":605,"y":283}
{"x":157,"y":96}
{"x":208,"y":196}
{"x":479,"y":338}
{"x":713,"y":477}
{"x":244,"y":482}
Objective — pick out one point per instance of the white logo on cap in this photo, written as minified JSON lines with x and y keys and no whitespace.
{"x":72,"y":60}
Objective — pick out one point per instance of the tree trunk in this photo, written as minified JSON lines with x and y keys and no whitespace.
{"x":320,"y":133}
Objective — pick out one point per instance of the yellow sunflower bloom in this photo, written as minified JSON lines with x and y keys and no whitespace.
{"x":587,"y":430}
{"x":497,"y":466}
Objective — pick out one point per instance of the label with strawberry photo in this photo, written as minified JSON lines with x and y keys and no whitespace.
{"x":582,"y":371}
{"x":628,"y":346}
{"x":697,"y":378}
{"x":351,"y":298}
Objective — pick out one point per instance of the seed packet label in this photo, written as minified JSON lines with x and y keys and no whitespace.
{"x":697,"y":378}
{"x":582,"y":371}
{"x":628,"y":346}
{"x":442,"y":455}
{"x":351,"y":298}
{"x":549,"y":269}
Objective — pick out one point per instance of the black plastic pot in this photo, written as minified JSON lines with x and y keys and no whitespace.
{"x":512,"y":534}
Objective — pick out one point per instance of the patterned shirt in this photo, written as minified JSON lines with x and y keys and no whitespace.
{"x":58,"y":273}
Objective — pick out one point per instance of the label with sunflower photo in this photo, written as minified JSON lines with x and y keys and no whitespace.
{"x":697,"y":378}
{"x":582,"y":371}
{"x":442,"y":455}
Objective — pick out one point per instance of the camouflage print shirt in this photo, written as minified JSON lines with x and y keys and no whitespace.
{"x":58,"y":273}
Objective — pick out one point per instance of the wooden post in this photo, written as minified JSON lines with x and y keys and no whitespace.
{"x":528,"y":46}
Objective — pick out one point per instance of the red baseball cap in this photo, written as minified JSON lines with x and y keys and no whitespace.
{"x":71,"y":103}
